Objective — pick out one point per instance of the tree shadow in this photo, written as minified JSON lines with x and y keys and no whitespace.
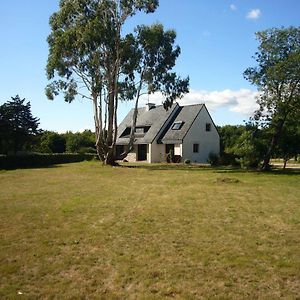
{"x":202,"y":168}
{"x":30,"y":167}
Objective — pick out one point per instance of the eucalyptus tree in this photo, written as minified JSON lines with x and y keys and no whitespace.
{"x":91,"y":56}
{"x":277,"y":77}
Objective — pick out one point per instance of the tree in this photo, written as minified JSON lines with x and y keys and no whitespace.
{"x":17,"y":125}
{"x":250,"y":146}
{"x":289,"y":142}
{"x":277,"y":77}
{"x":52,"y":142}
{"x":229,"y":135}
{"x":80,"y":142}
{"x":88,"y":48}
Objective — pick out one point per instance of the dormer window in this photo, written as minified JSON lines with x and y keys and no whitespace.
{"x":177,"y":125}
{"x":139,"y":130}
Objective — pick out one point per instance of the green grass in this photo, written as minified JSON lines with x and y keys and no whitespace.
{"x":83,"y":230}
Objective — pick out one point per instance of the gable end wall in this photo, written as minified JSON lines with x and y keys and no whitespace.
{"x":209,"y":142}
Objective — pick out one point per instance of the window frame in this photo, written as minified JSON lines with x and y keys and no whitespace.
{"x":139,"y":130}
{"x":207,"y":127}
{"x":196,"y":148}
{"x":177,"y":124}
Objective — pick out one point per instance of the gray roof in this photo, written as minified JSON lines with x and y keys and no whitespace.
{"x":159,"y":122}
{"x":187,"y":115}
{"x":155,"y":118}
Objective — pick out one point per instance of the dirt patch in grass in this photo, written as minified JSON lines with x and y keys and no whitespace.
{"x":227,"y":180}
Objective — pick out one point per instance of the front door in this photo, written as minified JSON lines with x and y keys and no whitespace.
{"x":170,"y":152}
{"x":142,"y":152}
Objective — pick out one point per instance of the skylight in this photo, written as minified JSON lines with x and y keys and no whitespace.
{"x":177,"y":125}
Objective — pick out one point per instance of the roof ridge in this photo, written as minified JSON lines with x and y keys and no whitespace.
{"x":192,"y":104}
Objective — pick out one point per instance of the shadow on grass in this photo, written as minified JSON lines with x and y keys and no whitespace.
{"x":219,"y":169}
{"x":29,"y":167}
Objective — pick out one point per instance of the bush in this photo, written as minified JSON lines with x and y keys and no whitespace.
{"x":213,"y":159}
{"x":40,"y":160}
{"x":89,"y":150}
{"x":228,"y":159}
{"x":249,"y":162}
{"x":187,"y":161}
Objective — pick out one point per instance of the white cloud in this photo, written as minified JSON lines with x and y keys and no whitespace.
{"x":241,"y":101}
{"x":233,"y":7}
{"x":254,"y":14}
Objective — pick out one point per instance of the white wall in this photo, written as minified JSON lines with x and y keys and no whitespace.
{"x":178,"y":149}
{"x":157,"y":153}
{"x":209,"y":141}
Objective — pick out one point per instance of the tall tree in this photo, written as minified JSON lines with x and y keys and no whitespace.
{"x":289,"y":143}
{"x":277,"y":77}
{"x":17,"y":125}
{"x":93,"y":58}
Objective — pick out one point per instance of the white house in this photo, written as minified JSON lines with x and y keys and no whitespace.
{"x":187,"y":131}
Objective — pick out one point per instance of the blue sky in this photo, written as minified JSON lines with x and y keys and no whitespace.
{"x":216,"y":38}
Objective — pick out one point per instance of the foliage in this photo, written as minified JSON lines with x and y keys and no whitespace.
{"x":213,"y":159}
{"x":289,"y":143}
{"x":277,"y":77}
{"x":52,"y":142}
{"x":40,"y":160}
{"x":87,"y":48}
{"x":249,"y":148}
{"x":187,"y":161}
{"x":17,"y":126}
{"x":229,"y":135}
{"x":80,"y":142}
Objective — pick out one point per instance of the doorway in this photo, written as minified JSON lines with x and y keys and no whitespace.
{"x":170,"y":152}
{"x":142,"y":152}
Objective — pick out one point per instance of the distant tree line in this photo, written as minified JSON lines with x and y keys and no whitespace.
{"x":244,"y":145}
{"x":19,"y":132}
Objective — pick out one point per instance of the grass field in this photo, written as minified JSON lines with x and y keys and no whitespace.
{"x":83,"y":230}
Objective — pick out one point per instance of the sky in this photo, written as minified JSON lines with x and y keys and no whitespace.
{"x":217,"y":40}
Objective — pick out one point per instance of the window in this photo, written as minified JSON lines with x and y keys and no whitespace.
{"x":208,"y":126}
{"x":139,"y":130}
{"x":177,"y":125}
{"x":195,"y":148}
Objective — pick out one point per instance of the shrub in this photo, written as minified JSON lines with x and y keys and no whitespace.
{"x":187,"y":161}
{"x":90,"y":150}
{"x":228,"y":159}
{"x":40,"y":160}
{"x":213,"y":159}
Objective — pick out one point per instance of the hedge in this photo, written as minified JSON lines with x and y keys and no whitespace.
{"x":41,"y":160}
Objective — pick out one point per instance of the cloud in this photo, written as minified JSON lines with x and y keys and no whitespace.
{"x":241,"y":101}
{"x":233,"y":7}
{"x":254,"y":14}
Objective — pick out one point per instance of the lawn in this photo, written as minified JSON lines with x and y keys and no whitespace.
{"x":83,"y":230}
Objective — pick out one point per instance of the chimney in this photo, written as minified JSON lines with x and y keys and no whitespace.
{"x":150,"y":106}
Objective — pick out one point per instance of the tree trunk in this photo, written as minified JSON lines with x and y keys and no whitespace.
{"x":266,"y":163}
{"x":110,"y":158}
{"x":134,"y":119}
{"x":284,"y":163}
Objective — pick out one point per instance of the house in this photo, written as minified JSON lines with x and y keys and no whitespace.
{"x":188,"y":132}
